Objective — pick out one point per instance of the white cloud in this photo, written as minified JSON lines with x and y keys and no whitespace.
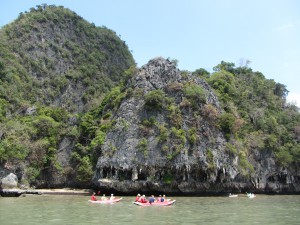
{"x":294,"y":98}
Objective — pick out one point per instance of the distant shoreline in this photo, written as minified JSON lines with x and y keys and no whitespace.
{"x":62,"y":191}
{"x":65,"y":191}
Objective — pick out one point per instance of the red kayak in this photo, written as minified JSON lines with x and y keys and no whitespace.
{"x":167,"y":203}
{"x":108,"y":201}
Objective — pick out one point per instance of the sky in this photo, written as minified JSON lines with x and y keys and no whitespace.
{"x":197,"y":33}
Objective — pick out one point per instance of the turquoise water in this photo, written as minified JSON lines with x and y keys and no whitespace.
{"x":65,"y":209}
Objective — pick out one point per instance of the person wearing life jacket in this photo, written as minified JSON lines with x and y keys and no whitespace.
{"x":143,"y":199}
{"x":93,"y":197}
{"x":137,"y":198}
{"x":140,"y":198}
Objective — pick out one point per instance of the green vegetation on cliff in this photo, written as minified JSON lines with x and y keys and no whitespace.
{"x":254,"y":118}
{"x":52,"y":56}
{"x":256,"y":113}
{"x":54,"y":67}
{"x":63,"y":80}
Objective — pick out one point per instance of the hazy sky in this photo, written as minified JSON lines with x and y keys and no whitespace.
{"x":198,"y":33}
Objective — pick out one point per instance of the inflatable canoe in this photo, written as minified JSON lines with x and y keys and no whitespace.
{"x":108,"y":201}
{"x":167,"y":203}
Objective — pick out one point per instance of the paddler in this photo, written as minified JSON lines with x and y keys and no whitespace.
{"x":93,"y":197}
{"x":137,"y":198}
{"x":112,"y":197}
{"x":103,"y":198}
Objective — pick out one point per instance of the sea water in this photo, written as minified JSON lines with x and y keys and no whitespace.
{"x":66,"y":209}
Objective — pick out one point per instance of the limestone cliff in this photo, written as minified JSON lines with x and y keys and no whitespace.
{"x":175,"y":146}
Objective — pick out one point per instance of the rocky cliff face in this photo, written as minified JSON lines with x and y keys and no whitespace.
{"x":177,"y":148}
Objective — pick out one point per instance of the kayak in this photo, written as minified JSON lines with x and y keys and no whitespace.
{"x":108,"y":201}
{"x":167,"y":203}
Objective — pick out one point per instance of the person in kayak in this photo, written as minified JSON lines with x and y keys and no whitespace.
{"x":158,"y":198}
{"x":143,"y":199}
{"x":112,"y":197}
{"x":162,"y":199}
{"x":103,"y":198}
{"x":151,"y":199}
{"x":93,"y":197}
{"x":137,"y":198}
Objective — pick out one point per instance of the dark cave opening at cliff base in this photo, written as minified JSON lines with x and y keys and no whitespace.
{"x":165,"y":175}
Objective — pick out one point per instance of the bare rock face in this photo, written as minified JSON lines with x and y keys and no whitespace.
{"x":10,"y":181}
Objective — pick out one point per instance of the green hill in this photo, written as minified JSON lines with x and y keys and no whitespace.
{"x":54,"y":65}
{"x":52,"y":56}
